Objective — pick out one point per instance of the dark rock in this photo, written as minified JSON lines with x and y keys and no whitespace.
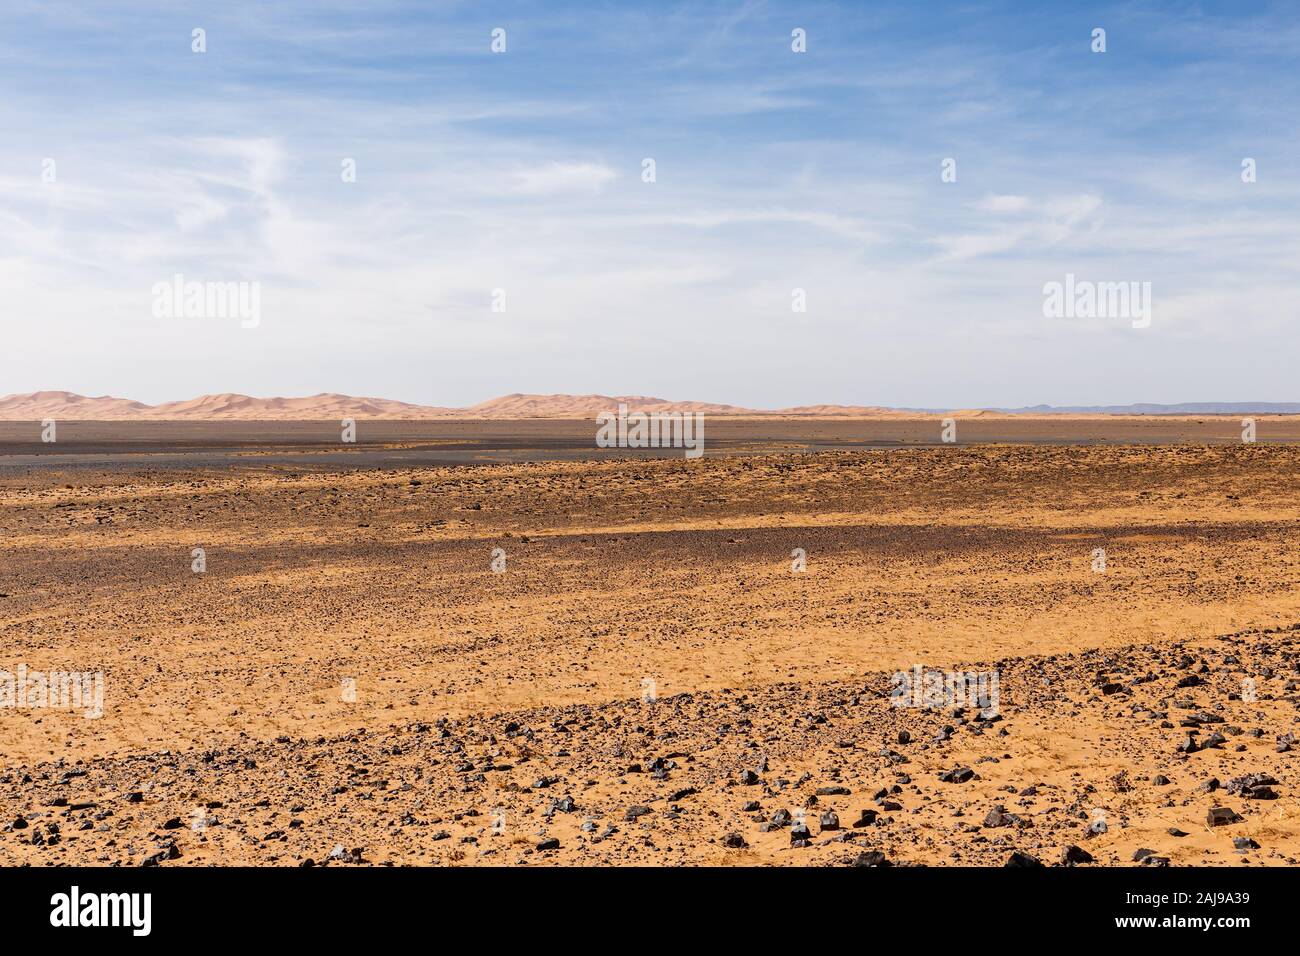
{"x":867,"y":818}
{"x":169,"y":852}
{"x":341,"y":855}
{"x":1254,"y":786}
{"x":998,"y":817}
{"x":734,"y":841}
{"x":871,"y":858}
{"x":1222,"y":816}
{"x":1074,"y":855}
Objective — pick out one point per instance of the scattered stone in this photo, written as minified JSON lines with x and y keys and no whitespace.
{"x":1222,"y":816}
{"x":169,"y":852}
{"x":871,"y":858}
{"x":342,"y":855}
{"x":1254,"y":786}
{"x":998,"y":817}
{"x":1074,"y":855}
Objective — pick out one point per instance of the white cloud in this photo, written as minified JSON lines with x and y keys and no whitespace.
{"x":776,"y":171}
{"x":1002,"y":204}
{"x":559,"y":178}
{"x":1067,"y":213}
{"x":1053,"y":221}
{"x":985,"y":244}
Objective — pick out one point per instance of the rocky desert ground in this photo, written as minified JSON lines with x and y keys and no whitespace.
{"x":659,"y":661}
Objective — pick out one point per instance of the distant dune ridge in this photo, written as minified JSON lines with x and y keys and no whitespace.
{"x":68,"y":405}
{"x":228,"y":406}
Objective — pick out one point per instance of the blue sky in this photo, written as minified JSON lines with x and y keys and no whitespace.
{"x":775,"y":171}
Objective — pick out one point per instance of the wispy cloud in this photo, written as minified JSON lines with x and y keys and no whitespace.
{"x":523,"y":172}
{"x":558,"y":178}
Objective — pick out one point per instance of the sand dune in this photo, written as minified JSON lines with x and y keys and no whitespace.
{"x":326,"y":405}
{"x":226,"y":406}
{"x":229,"y":406}
{"x":847,"y":411}
{"x":40,"y":405}
{"x":588,"y":406}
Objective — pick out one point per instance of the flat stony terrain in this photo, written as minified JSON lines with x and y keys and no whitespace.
{"x":645,"y":677}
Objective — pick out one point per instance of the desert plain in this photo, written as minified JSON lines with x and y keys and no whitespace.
{"x":487,"y":644}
